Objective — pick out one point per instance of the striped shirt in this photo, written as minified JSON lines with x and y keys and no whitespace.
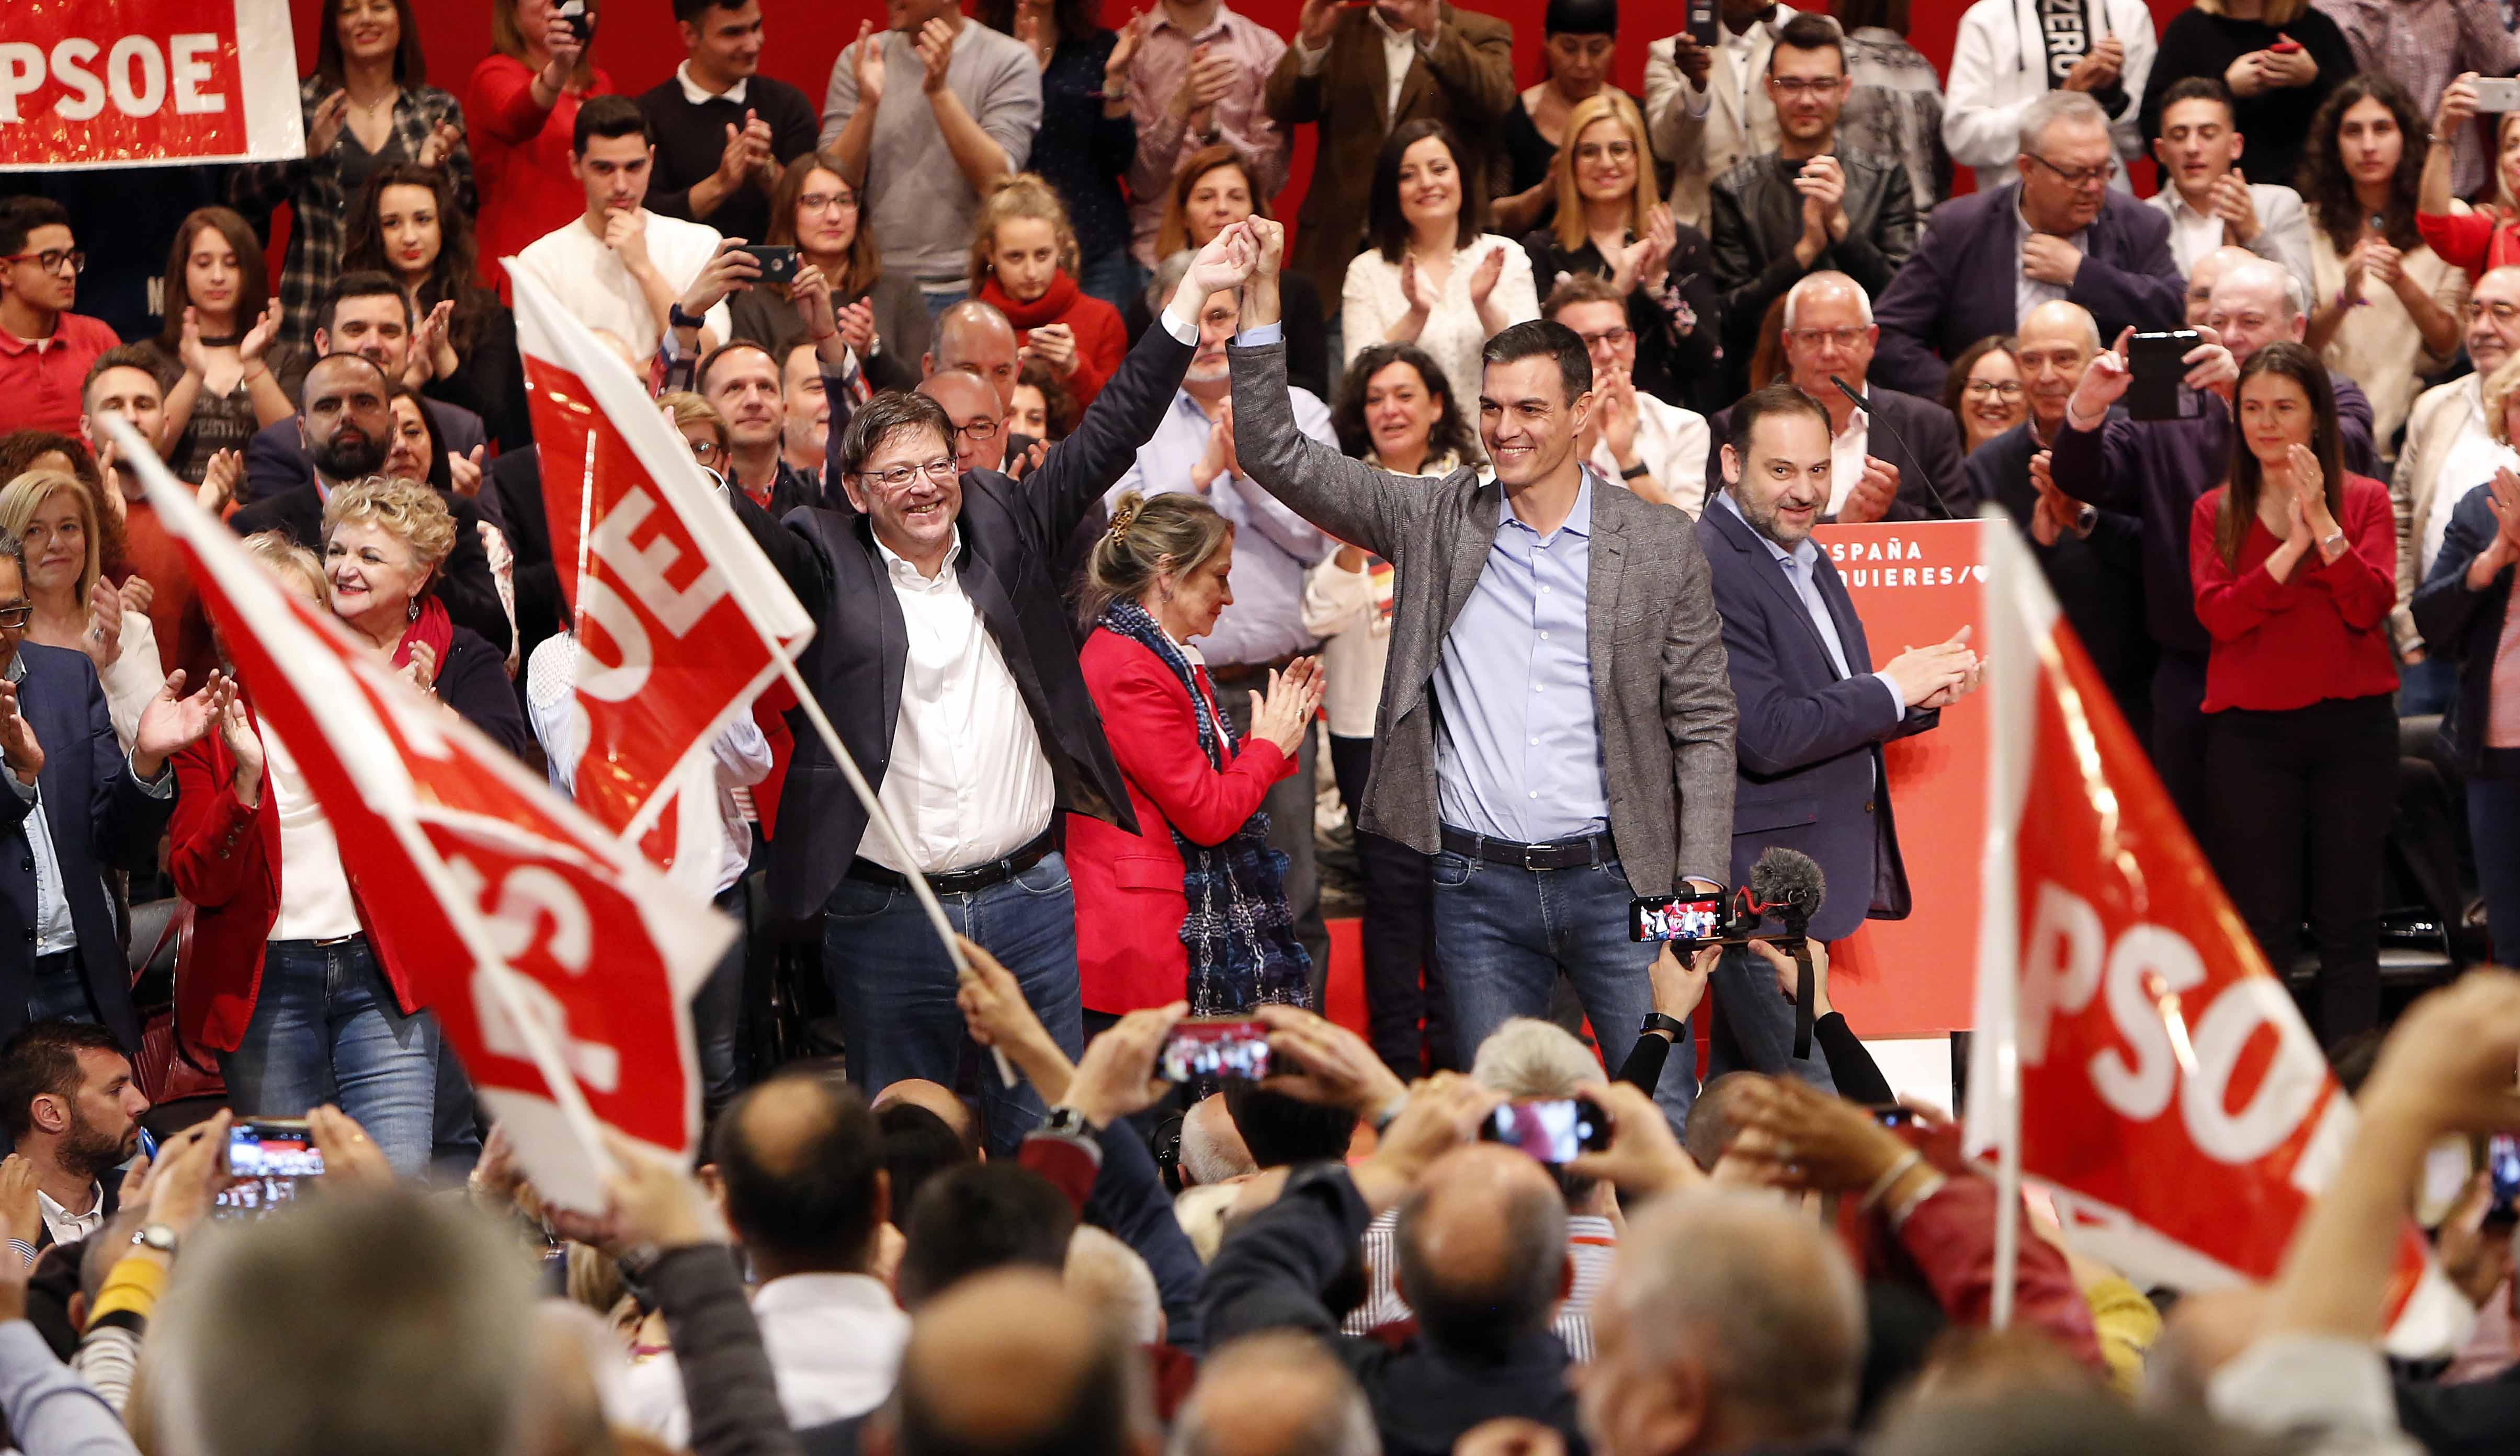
{"x":1592,"y":1243}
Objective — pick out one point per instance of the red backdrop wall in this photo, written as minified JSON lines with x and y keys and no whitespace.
{"x":638,"y":45}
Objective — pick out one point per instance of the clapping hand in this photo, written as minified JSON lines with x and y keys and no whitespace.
{"x":432,"y":354}
{"x":2099,"y":68}
{"x":1029,"y":30}
{"x":171,"y":722}
{"x":1873,"y":493}
{"x":443,"y":139}
{"x":1931,"y":676}
{"x":1823,"y":185}
{"x":235,"y":731}
{"x":1615,"y":411}
{"x":422,"y":666}
{"x":1285,"y":715}
{"x":2235,"y":207}
{"x":18,"y":750}
{"x":1415,"y":287}
{"x":936,"y":53}
{"x":856,"y":324}
{"x":869,"y":67}
{"x":102,"y":639}
{"x":464,"y":472}
{"x":250,"y":349}
{"x":1124,"y":49}
{"x":2057,"y":513}
{"x":747,"y":151}
{"x":324,"y":128}
{"x":1483,"y":280}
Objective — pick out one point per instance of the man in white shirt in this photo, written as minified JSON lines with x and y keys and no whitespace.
{"x":69,"y":1101}
{"x":801,"y":1179}
{"x":2010,"y":53}
{"x":1655,"y":449}
{"x":2449,"y":451}
{"x":1704,"y":106}
{"x":622,"y":268}
{"x":2209,"y":201}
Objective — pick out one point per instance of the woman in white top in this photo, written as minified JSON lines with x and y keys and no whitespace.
{"x":1432,"y":277}
{"x":54,"y":515}
{"x":1395,"y":410}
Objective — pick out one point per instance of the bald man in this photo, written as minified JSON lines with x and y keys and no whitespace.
{"x":949,"y":1108}
{"x":1010,"y":1361}
{"x":2448,"y":451}
{"x":2093,"y":559}
{"x":976,"y":335}
{"x":977,"y":413}
{"x":1275,"y":1395}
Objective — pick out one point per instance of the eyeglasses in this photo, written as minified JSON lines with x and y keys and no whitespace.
{"x":978,"y":431}
{"x":2091,"y":176}
{"x":14,"y":616}
{"x":50,"y":261}
{"x":2503,"y":314}
{"x":1845,"y":339}
{"x":1616,"y":150}
{"x":940,"y":471}
{"x":816,"y":201}
{"x":705,"y":451}
{"x":2007,"y":388}
{"x":1614,"y":338}
{"x":1799,"y":87}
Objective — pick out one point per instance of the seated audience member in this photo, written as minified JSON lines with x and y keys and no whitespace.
{"x":1023,"y":265}
{"x":415,"y":452}
{"x":1215,"y":189}
{"x":1012,"y":1363}
{"x":1088,"y":135}
{"x":1579,"y":43}
{"x":703,"y":429}
{"x":71,"y":1108}
{"x":724,"y":130}
{"x":1260,"y":631}
{"x":1611,"y":224}
{"x":2385,"y":306}
{"x":1829,"y":336}
{"x":975,"y":337}
{"x":2452,"y":442}
{"x":747,"y":387}
{"x":1043,"y":408}
{"x":800,"y":1162}
{"x":1219,"y":935}
{"x":2099,"y":49}
{"x":2464,"y":610}
{"x":2058,"y":230}
{"x":2206,"y":195}
{"x":618,"y":267}
{"x":805,"y":439}
{"x":919,"y":1144}
{"x":123,"y":382}
{"x":45,"y":349}
{"x":220,"y":347}
{"x":1808,"y":206}
{"x":366,"y":106}
{"x":1196,"y":84}
{"x":369,"y":315}
{"x":1212,"y":1150}
{"x":406,"y":226}
{"x":1433,"y":276}
{"x":1275,"y":1396}
{"x":522,"y":106}
{"x":61,"y":522}
{"x":281,"y":982}
{"x":1397,"y":411}
{"x":882,"y":316}
{"x":983,"y":1216}
{"x":1109,"y":1276}
{"x":924,"y":119}
{"x":1984,"y":391}
{"x":2093,"y":559}
{"x":1704,"y":102}
{"x":1895,"y":107}
{"x":386,"y":545}
{"x":2275,"y":92}
{"x":1653,"y":447}
{"x":345,"y":434}
{"x":2485,"y":235}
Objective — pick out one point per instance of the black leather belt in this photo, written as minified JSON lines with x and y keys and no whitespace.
{"x":1556,"y":854}
{"x":966,"y":879}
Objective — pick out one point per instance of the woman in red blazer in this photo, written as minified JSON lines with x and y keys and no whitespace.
{"x":281,"y":979}
{"x":2295,"y":568}
{"x":1023,"y":265}
{"x":1193,"y":907}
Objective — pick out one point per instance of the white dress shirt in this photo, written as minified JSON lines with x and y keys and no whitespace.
{"x":968,"y":781}
{"x":68,"y":1227}
{"x":55,"y":930}
{"x":1673,"y":442}
{"x":1399,"y":49}
{"x":2028,"y":292}
{"x":1846,"y":452}
{"x":833,"y":1341}
{"x":2474,"y":455}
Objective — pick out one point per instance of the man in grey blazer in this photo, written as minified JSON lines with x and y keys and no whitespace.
{"x":1556,"y":723}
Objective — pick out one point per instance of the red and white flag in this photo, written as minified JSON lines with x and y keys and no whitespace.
{"x":559,"y":964}
{"x":681,"y":620}
{"x":2132,"y":1044}
{"x":113,"y":83}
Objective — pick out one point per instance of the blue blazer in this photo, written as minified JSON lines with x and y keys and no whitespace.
{"x":100,"y":818}
{"x":2466,"y":624}
{"x":1809,"y":742}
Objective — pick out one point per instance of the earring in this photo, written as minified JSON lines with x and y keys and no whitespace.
{"x":415,"y":609}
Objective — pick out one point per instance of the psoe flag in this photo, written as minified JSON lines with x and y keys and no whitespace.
{"x":102,"y":83}
{"x":2169,"y":1094}
{"x":681,"y":620}
{"x":558,"y":963}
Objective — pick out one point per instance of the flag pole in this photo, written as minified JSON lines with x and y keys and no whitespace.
{"x":2013,"y":668}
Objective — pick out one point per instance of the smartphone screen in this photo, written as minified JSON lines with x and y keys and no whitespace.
{"x":2502,"y":1166}
{"x":1894,"y":1116}
{"x":1215,"y":1047}
{"x":273,"y":1148}
{"x":1675,"y":917}
{"x":1554,"y":1130}
{"x":2158,"y":389}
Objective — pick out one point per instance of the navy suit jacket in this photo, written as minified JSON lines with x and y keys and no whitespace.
{"x":1958,"y":286}
{"x":100,"y":818}
{"x":1918,"y":436}
{"x":1809,"y":742}
{"x":2466,"y":624}
{"x":274,"y":459}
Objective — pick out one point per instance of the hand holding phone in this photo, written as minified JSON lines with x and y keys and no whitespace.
{"x":779,"y":262}
{"x":1680,"y":920}
{"x":1222,"y":1047}
{"x":2157,"y":363}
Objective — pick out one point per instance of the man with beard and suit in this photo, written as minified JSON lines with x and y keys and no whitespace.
{"x":367,"y":314}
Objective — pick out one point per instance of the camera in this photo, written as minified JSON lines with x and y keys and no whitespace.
{"x":267,"y":1155}
{"x":1222,"y":1047}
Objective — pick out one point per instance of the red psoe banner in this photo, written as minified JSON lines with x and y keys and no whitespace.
{"x":104,"y":84}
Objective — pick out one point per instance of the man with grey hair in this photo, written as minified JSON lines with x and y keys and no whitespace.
{"x":1212,"y":1149}
{"x":1275,"y":1395}
{"x":2448,"y":449}
{"x":2057,"y":231}
{"x":2255,"y":302}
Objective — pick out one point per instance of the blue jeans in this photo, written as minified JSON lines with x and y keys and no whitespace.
{"x":326,"y":1028}
{"x":895,"y":987}
{"x":2493,"y":824}
{"x":1503,"y":934}
{"x":58,"y":991}
{"x":938,"y":300}
{"x":717,"y":1013}
{"x":2428,"y":687}
{"x":1112,"y":277}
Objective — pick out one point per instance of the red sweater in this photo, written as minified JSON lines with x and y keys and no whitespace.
{"x":1102,"y":340}
{"x":521,"y":158}
{"x":2321,"y":633}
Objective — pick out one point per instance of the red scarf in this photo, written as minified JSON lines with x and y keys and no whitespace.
{"x":432,"y":626}
{"x":1051,"y":306}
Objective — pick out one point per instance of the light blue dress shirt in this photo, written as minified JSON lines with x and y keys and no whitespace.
{"x":55,"y":931}
{"x":1273,"y":546}
{"x":1800,"y":567}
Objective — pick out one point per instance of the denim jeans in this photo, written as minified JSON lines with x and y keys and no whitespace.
{"x":2494,"y":823}
{"x":938,"y":300}
{"x":58,"y":991}
{"x":2430,"y":686}
{"x":1503,"y":934}
{"x":717,"y":1014}
{"x":1112,"y":277}
{"x":895,"y":987}
{"x":326,"y":1028}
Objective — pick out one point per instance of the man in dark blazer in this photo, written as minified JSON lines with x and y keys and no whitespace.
{"x":1337,"y":75}
{"x":77,"y":805}
{"x":2057,"y":232}
{"x":1814,"y":712}
{"x":1898,"y":456}
{"x":71,"y":1109}
{"x":366,"y":314}
{"x":516,"y":484}
{"x":903,"y":587}
{"x":1804,"y":207}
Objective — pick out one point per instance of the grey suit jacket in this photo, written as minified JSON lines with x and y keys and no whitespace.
{"x":1661,"y":686}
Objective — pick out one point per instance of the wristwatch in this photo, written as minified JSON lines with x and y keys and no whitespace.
{"x":1635,"y":472}
{"x":675,"y":316}
{"x":1656,"y":1021}
{"x":2085,"y":518}
{"x":155,"y":1236}
{"x":2333,"y":541}
{"x":1068,"y":1122}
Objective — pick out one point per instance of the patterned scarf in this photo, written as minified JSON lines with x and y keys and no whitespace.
{"x":1240,"y":932}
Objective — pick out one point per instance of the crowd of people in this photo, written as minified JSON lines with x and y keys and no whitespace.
{"x":1134,"y":525}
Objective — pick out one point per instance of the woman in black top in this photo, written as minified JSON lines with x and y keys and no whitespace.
{"x":817,"y":210}
{"x":1578,"y":47}
{"x":2274,"y":94}
{"x":1088,"y":136}
{"x":407,"y":225}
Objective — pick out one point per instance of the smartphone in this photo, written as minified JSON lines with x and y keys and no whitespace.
{"x":267,"y":1156}
{"x":580,"y":20}
{"x":1674,"y":918}
{"x":777,"y":261}
{"x":2496,"y":93}
{"x":1215,"y":1047}
{"x":2159,"y":388}
{"x":2285,"y":46}
{"x":148,"y":1145}
{"x":1554,"y":1130}
{"x":2502,"y":1167}
{"x":1701,"y":25}
{"x":1895,"y":1117}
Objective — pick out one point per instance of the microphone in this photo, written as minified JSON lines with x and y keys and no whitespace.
{"x":1789,"y":882}
{"x":1888,"y":429}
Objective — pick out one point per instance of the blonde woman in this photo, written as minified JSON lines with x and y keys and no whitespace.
{"x":76,"y":606}
{"x":1023,"y":265}
{"x":385,"y":545}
